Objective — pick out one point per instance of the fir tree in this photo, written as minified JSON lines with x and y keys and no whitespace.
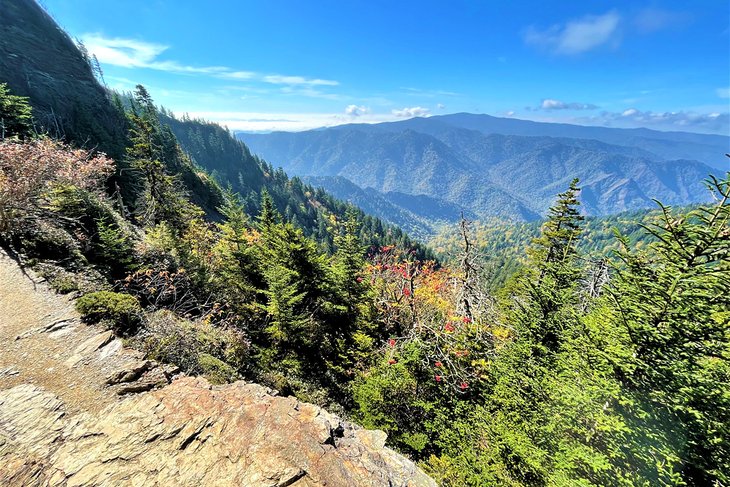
{"x":554,"y":250}
{"x":163,"y":198}
{"x":673,"y":299}
{"x":16,"y":118}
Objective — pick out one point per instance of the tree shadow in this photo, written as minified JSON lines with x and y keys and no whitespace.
{"x":8,"y":250}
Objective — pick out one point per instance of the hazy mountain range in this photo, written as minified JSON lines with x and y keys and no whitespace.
{"x":489,"y":166}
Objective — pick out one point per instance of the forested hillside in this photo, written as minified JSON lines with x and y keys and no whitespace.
{"x":312,"y":209}
{"x":502,"y":245}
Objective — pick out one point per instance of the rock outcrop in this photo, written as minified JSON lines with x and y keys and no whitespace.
{"x":191,"y":433}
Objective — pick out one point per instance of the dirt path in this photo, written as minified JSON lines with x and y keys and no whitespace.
{"x":43,"y":342}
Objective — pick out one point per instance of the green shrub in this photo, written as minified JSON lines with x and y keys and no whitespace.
{"x":197,"y":347}
{"x":114,"y":249}
{"x":122,"y":310}
{"x":64,"y":284}
{"x":217,"y":371}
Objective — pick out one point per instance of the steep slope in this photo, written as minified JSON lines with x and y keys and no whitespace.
{"x":70,"y":415}
{"x":39,"y":60}
{"x":230,"y":162}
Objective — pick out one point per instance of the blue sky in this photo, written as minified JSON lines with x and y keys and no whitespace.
{"x":293,"y":65}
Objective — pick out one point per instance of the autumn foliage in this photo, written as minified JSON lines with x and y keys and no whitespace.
{"x":419,"y":303}
{"x":29,"y":169}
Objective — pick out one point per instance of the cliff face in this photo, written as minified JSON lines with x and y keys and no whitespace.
{"x":40,"y":61}
{"x":77,"y":408}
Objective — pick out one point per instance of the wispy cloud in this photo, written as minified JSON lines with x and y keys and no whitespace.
{"x":652,"y":19}
{"x":132,"y":53}
{"x":309,"y":92}
{"x":427,"y":93}
{"x":577,"y":36}
{"x":723,"y":92}
{"x":355,"y":110}
{"x":277,"y":79}
{"x":713,"y":122}
{"x":551,"y":104}
{"x":238,"y":75}
{"x":410,"y":112}
{"x":268,"y":122}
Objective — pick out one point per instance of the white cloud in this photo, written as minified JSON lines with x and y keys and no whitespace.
{"x":238,"y":75}
{"x":131,"y":53}
{"x":309,"y":92}
{"x":723,"y":92}
{"x":440,"y":106}
{"x":577,"y":36}
{"x":355,"y":110}
{"x":411,"y":112}
{"x":268,"y":122}
{"x":711,"y":122}
{"x":510,"y":113}
{"x":278,"y":79}
{"x":551,"y":104}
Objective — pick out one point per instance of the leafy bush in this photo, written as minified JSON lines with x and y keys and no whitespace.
{"x":196,"y":347}
{"x":216,"y":370}
{"x":64,"y":284}
{"x":121,"y":310}
{"x":28,"y":170}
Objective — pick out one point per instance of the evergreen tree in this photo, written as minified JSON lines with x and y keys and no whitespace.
{"x":162,"y":198}
{"x":268,"y":215}
{"x":555,"y":249}
{"x":674,"y":301}
{"x":551,"y":289}
{"x":349,"y":257}
{"x":297,"y":296}
{"x":16,"y":118}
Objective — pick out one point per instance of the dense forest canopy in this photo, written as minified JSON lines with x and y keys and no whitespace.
{"x":573,"y":370}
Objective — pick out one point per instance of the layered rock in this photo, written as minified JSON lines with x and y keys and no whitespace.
{"x":191,"y":433}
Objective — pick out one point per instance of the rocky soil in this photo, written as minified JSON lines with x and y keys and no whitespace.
{"x":79,"y":409}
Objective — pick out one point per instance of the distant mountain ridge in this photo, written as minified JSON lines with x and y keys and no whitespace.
{"x":489,"y":166}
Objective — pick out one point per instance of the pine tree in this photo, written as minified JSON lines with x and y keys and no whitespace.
{"x":674,"y":300}
{"x":555,"y":249}
{"x":551,"y":288}
{"x":16,"y":118}
{"x":349,"y":257}
{"x":163,"y":198}
{"x":268,"y":215}
{"x":233,"y":210}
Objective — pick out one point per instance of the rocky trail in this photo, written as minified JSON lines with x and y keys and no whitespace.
{"x":77,"y":408}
